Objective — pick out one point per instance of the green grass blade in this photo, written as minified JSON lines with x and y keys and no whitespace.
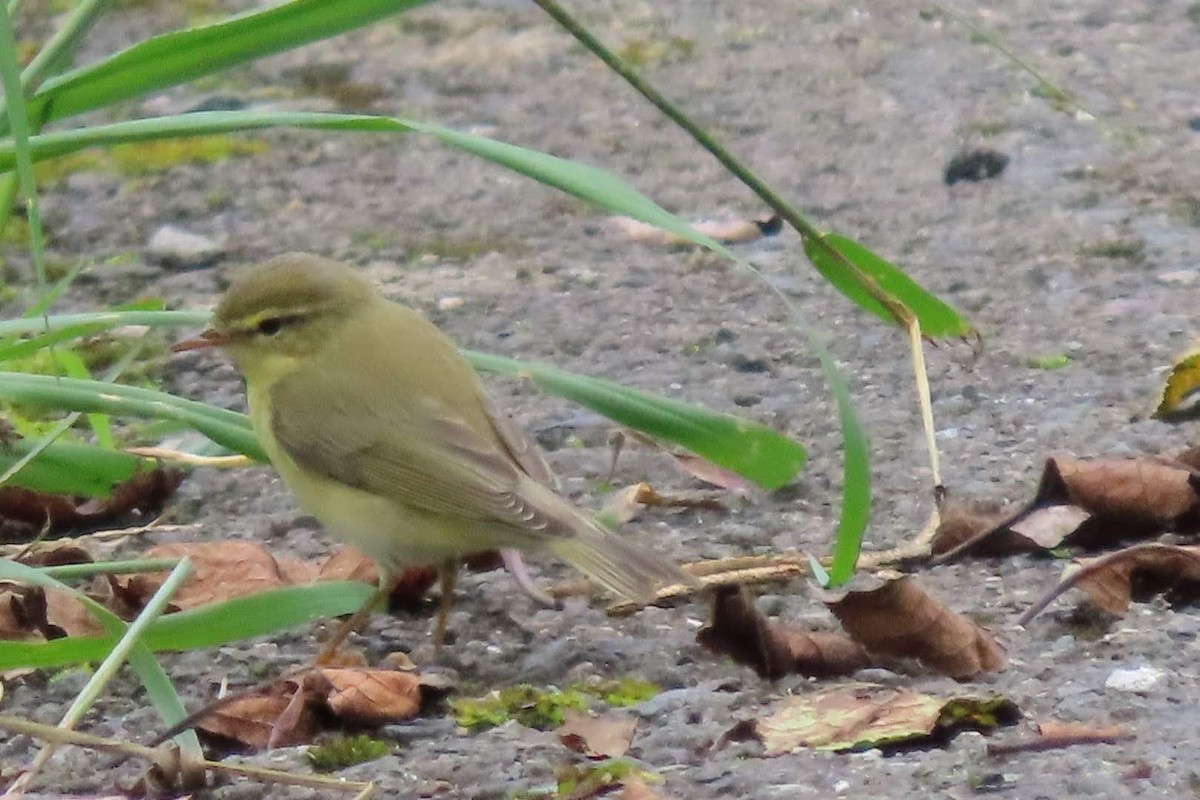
{"x":181,"y":56}
{"x":58,"y":52}
{"x":73,"y":366}
{"x":227,"y":428}
{"x":750,"y":449}
{"x":48,"y":297}
{"x":936,"y":317}
{"x":158,"y":685}
{"x":208,"y":626}
{"x":96,"y":321}
{"x":26,"y":347}
{"x":18,"y":119}
{"x":586,"y":182}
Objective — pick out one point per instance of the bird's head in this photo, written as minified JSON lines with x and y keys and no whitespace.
{"x":283,"y":310}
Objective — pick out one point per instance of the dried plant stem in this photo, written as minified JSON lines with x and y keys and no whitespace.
{"x":60,"y":736}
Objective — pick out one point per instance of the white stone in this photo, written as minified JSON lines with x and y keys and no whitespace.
{"x":1139,"y":680}
{"x":176,"y":248}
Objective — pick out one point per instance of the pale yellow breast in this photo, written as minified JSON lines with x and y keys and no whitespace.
{"x":392,"y":534}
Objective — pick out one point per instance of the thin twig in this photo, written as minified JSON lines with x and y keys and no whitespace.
{"x":1110,"y":735}
{"x":191,"y":459}
{"x":51,"y":733}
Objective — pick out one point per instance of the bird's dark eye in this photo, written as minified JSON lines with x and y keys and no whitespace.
{"x":270,"y":326}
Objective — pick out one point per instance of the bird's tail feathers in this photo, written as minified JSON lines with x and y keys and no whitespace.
{"x":624,"y":568}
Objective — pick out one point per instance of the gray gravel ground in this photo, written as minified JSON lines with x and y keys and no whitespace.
{"x":853,"y":112}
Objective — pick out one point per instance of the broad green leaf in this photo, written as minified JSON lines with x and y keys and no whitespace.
{"x":750,"y":449}
{"x":936,"y":317}
{"x":181,"y":56}
{"x":207,"y":626}
{"x":588,"y":183}
{"x":70,"y":468}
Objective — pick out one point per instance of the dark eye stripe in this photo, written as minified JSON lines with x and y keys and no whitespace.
{"x":273,"y":325}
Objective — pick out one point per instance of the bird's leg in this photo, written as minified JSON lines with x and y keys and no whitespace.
{"x":448,"y":573}
{"x":328,"y":653}
{"x":616,"y":440}
{"x":516,"y":568}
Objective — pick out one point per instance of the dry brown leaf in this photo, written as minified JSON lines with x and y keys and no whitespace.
{"x":842,"y":717}
{"x":626,"y":504}
{"x":348,"y":563}
{"x":371,"y":696}
{"x":603,"y":736}
{"x":638,"y":789}
{"x":221,"y":571}
{"x":14,"y":625}
{"x":739,"y":631}
{"x":705,"y":470}
{"x":253,"y":721}
{"x":66,"y":613}
{"x":1145,"y":489}
{"x":726,"y":231}
{"x":1094,"y":503}
{"x":1113,"y":580}
{"x":32,"y":613}
{"x":1190,"y":457}
{"x":287,"y":712}
{"x":55,"y":554}
{"x":898,"y":619}
{"x":858,"y":715}
{"x":963,"y":519}
{"x":1049,"y":527}
{"x":144,"y":494}
{"x":1152,"y":568}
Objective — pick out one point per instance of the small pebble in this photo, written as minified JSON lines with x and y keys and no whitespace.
{"x":176,"y":248}
{"x":1139,"y":680}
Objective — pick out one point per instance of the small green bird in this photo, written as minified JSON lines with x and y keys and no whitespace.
{"x":384,"y":433}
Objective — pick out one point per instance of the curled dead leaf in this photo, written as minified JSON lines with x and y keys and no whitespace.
{"x":1111,"y":581}
{"x":626,"y":504}
{"x":1094,"y":503}
{"x":726,"y":231}
{"x":898,"y":619}
{"x":291,"y":710}
{"x":738,"y":630}
{"x":961,"y":520}
{"x":143,"y":494}
{"x":1155,"y":491}
{"x":254,"y":721}
{"x":602,"y":736}
{"x":1190,"y":457}
{"x":371,"y":696}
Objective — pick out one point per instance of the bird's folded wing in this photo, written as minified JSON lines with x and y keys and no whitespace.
{"x":418,"y":454}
